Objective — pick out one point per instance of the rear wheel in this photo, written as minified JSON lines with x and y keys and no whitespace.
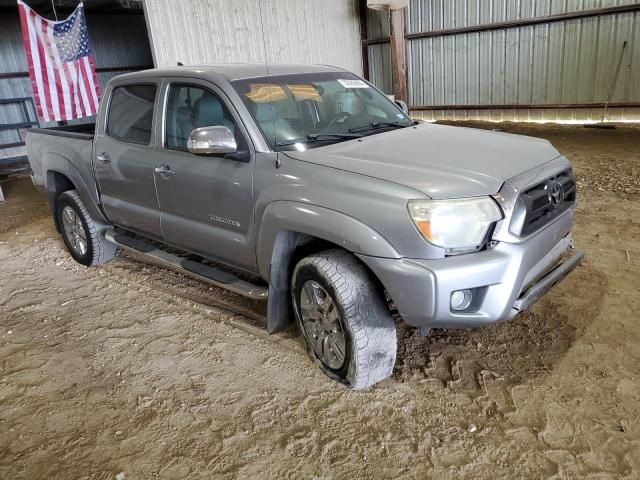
{"x":81,"y":234}
{"x":347,"y":326}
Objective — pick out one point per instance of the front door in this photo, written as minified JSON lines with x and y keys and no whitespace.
{"x":206,"y":202}
{"x":124,"y":160}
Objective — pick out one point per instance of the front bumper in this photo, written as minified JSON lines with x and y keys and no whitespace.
{"x":515,"y":276}
{"x":546,"y":283}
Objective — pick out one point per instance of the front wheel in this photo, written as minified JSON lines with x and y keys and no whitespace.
{"x":346,"y":324}
{"x":81,"y":234}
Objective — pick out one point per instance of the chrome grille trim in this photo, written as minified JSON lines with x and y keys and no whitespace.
{"x":545,"y":201}
{"x":510,"y":192}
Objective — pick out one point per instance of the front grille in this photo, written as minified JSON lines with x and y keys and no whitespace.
{"x":547,"y":200}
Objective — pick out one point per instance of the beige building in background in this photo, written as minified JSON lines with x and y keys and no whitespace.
{"x":218,"y":31}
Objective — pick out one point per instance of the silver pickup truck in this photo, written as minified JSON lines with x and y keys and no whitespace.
{"x":307,"y":187}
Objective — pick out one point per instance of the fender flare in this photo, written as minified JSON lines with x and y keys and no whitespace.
{"x":53,"y":163}
{"x":318,"y":222}
{"x":287,"y":225}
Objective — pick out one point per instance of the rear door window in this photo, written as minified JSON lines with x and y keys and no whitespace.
{"x":131,"y":113}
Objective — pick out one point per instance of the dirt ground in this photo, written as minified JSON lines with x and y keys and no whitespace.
{"x":133,"y":371}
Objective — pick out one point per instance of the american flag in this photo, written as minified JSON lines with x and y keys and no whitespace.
{"x":61,"y":68}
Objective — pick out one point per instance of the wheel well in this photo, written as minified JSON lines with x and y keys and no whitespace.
{"x":290,"y":248}
{"x":56,"y":184}
{"x":316,"y":245}
{"x":310,"y":246}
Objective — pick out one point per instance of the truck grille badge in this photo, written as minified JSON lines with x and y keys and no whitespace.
{"x":556,"y":194}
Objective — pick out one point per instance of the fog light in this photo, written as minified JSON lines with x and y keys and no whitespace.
{"x":461,"y":299}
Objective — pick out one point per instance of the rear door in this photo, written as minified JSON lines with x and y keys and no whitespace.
{"x":206,"y":201}
{"x":124,"y":151}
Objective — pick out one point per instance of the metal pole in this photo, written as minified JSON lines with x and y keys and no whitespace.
{"x":614,"y":81}
{"x":364,"y":35}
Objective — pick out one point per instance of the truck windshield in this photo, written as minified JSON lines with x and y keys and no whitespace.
{"x":309,"y":110}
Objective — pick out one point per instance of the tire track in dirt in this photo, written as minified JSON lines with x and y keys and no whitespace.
{"x":246,"y":314}
{"x":453,"y":359}
{"x":119,"y":376}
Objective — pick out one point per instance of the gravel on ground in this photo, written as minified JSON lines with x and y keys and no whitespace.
{"x":132,"y":371}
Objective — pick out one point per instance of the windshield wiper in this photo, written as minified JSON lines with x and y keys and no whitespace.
{"x":319,"y":137}
{"x":376,"y":125}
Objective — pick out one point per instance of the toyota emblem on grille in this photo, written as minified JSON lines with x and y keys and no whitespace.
{"x":556,"y":194}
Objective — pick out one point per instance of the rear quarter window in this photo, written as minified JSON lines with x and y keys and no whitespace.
{"x":131,"y":113}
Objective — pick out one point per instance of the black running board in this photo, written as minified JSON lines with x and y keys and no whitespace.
{"x":204,"y":273}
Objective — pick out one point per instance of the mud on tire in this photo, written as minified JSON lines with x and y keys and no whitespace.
{"x":369,"y":329}
{"x":98,"y":249}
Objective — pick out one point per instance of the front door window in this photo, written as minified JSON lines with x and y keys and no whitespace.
{"x":190,"y":107}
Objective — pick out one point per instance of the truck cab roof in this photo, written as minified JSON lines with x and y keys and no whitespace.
{"x":231,"y":71}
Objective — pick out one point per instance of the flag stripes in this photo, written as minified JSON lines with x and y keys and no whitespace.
{"x":61,"y":67}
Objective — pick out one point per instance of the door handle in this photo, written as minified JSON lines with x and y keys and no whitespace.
{"x":164,"y":169}
{"x":104,"y":157}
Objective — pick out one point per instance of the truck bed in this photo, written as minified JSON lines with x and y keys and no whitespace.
{"x":80,"y":132}
{"x":66,"y":149}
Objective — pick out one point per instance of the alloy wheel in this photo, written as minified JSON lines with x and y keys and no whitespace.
{"x":322,"y":324}
{"x":74,"y":230}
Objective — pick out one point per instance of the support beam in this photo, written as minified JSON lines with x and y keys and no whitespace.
{"x":132,"y":68}
{"x":362,"y":11}
{"x":545,"y":19}
{"x":525,"y":106}
{"x":398,"y":55}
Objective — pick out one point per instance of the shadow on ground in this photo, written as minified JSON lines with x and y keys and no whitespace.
{"x":526,"y":347}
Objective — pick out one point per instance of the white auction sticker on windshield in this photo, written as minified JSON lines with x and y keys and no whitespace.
{"x":352,"y":83}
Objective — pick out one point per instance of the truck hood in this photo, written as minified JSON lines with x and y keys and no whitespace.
{"x":437,"y":160}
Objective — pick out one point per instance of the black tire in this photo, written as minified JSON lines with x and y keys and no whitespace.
{"x":366,"y":321}
{"x":98,"y":249}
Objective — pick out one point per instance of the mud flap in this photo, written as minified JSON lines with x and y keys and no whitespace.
{"x":279,"y":306}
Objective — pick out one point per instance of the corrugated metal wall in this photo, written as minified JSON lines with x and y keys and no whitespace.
{"x":12,"y":60}
{"x":379,"y":54}
{"x":216,"y":31}
{"x":565,"y":62}
{"x":117,"y":41}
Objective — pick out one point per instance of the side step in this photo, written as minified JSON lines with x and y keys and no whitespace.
{"x":204,"y":273}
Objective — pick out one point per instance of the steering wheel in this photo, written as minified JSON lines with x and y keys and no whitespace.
{"x":340,"y":116}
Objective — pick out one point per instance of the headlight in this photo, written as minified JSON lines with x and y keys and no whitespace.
{"x":458,"y":225}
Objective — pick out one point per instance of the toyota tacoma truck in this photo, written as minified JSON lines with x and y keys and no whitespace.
{"x":309,"y":188}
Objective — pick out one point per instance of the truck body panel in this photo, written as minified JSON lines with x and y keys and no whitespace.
{"x":440,"y":161}
{"x":253,"y":209}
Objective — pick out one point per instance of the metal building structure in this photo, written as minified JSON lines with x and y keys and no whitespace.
{"x":515,"y":60}
{"x":119,"y":41}
{"x":519,"y":60}
{"x":217,"y":31}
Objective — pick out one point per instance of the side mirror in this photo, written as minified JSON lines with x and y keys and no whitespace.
{"x":211,"y":141}
{"x":403,"y":106}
